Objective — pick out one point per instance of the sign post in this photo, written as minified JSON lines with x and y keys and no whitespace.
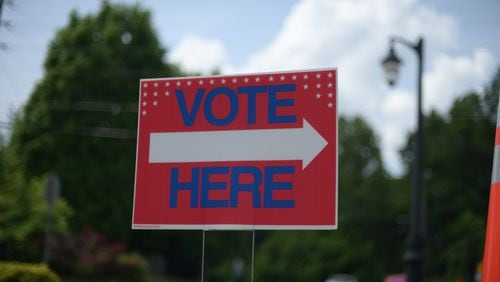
{"x":254,"y":151}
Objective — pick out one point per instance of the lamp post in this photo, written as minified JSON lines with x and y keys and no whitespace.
{"x":414,"y":255}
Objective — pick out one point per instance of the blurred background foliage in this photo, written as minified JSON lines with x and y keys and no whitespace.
{"x":81,"y":122}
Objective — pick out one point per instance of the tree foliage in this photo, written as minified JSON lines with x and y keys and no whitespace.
{"x":81,"y":119}
{"x":457,"y":164}
{"x":373,"y":207}
{"x":23,"y":210}
{"x":367,"y":221}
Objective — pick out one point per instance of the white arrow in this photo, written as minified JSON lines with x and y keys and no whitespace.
{"x":237,"y":145}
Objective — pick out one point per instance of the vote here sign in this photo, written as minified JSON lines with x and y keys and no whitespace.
{"x":252,"y":151}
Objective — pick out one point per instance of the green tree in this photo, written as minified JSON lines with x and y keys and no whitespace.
{"x":367,"y":242}
{"x":81,"y":118}
{"x":458,"y":156}
{"x":23,"y":210}
{"x":81,"y":121}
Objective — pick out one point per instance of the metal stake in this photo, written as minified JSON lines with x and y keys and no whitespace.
{"x":203,"y":257}
{"x":253,"y":254}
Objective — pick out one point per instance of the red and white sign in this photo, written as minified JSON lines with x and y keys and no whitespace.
{"x":254,"y":151}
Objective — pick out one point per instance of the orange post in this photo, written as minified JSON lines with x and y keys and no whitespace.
{"x":491,"y":259}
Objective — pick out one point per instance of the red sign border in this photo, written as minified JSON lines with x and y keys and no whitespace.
{"x":241,"y":227}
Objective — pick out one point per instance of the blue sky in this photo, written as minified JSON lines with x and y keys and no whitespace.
{"x":462,"y":48}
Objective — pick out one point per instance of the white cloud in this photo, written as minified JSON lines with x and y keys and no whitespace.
{"x":197,"y":54}
{"x":398,"y":104}
{"x":393,"y":139}
{"x":451,"y":76}
{"x":319,"y":32}
{"x":353,"y":36}
{"x":399,"y":114}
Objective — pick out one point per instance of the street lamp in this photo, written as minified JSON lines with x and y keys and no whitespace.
{"x":414,"y":255}
{"x":391,"y":66}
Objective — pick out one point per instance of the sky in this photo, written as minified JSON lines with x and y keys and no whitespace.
{"x":461,"y":51}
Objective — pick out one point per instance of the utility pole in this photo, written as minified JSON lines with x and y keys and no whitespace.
{"x":3,"y":46}
{"x":1,"y":8}
{"x":3,"y":23}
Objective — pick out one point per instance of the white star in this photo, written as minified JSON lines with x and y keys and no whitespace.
{"x":155,"y":94}
{"x":257,"y":79}
{"x":235,"y":80}
{"x":330,"y":85}
{"x":330,"y":105}
{"x":318,"y":96}
{"x":189,"y":83}
{"x":144,"y":103}
{"x":155,"y":103}
{"x":145,"y":84}
{"x":246,"y":79}
{"x":156,"y":84}
{"x":318,"y":75}
{"x":306,"y":76}
{"x":178,"y":83}
{"x":294,"y":77}
{"x":306,"y":86}
{"x":282,"y":77}
{"x":145,"y":94}
{"x":167,"y":93}
{"x":223,"y":81}
{"x":330,"y":75}
{"x":211,"y":81}
{"x":167,"y":84}
{"x":330,"y":95}
{"x":200,"y":82}
{"x":271,"y":78}
{"x":318,"y":86}
{"x":144,"y":112}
